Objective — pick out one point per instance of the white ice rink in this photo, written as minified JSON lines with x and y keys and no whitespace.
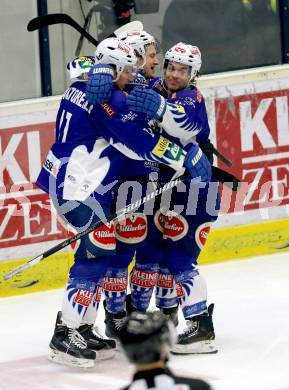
{"x":252,"y":333}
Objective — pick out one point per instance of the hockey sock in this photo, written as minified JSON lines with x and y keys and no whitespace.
{"x":77,"y":298}
{"x":142,"y":281}
{"x":114,"y":288}
{"x":192,"y":293}
{"x":166,"y":293}
{"x":91,"y":312}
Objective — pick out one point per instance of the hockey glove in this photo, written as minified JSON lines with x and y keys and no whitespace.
{"x":99,"y":84}
{"x":148,"y":102}
{"x":197,"y":164}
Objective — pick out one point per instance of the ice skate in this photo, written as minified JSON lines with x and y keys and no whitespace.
{"x":198,"y":337}
{"x":68,"y":347}
{"x":103,"y":347}
{"x":172,"y":314}
{"x":114,"y":323}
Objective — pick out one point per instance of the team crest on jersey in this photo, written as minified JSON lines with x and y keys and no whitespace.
{"x":173,"y":226}
{"x":132,"y":229}
{"x":104,"y":237}
{"x":202,"y":233}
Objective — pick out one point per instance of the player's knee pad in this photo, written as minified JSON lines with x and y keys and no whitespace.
{"x":166,"y":293}
{"x":192,"y":293}
{"x":89,"y":269}
{"x":77,"y":298}
{"x":142,"y":282}
{"x":114,"y":287}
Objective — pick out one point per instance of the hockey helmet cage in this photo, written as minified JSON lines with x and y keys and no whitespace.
{"x":80,"y":65}
{"x":147,"y":337}
{"x":138,"y":40}
{"x":185,"y":54}
{"x":112,"y":51}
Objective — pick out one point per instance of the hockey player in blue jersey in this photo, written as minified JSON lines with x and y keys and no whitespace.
{"x":179,"y":280}
{"x":132,"y":232}
{"x":79,"y":173}
{"x":185,"y":119}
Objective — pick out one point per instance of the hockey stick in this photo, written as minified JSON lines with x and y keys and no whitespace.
{"x":283,"y":246}
{"x":227,"y":178}
{"x":222,"y":157}
{"x":114,"y":216}
{"x":50,"y":19}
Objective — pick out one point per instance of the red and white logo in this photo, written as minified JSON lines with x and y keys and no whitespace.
{"x":171,"y":225}
{"x":83,"y":297}
{"x":202,"y":233}
{"x":115,"y":284}
{"x":180,"y":50}
{"x":165,"y":281}
{"x":97,"y":296}
{"x":132,"y":229}
{"x":143,"y":278}
{"x":180,"y":290}
{"x":260,"y":149}
{"x":104,"y":237}
{"x":159,"y":220}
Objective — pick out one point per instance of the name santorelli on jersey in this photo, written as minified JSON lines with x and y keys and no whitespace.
{"x":74,"y":95}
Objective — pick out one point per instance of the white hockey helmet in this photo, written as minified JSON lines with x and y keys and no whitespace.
{"x":112,"y":51}
{"x":79,"y":66}
{"x":185,"y":54}
{"x":138,"y":40}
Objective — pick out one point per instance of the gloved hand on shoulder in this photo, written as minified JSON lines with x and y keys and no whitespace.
{"x":99,"y":84}
{"x":147,"y":102}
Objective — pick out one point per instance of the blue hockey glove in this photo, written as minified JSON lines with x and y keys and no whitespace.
{"x":148,"y":102}
{"x":99,"y":84}
{"x":197,"y":164}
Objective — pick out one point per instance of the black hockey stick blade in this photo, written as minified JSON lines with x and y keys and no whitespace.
{"x":46,"y":20}
{"x":50,"y":19}
{"x":283,"y":246}
{"x":227,"y":178}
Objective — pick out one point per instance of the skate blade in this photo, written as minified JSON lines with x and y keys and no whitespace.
{"x":68,"y":360}
{"x":105,"y":354}
{"x":200,"y":347}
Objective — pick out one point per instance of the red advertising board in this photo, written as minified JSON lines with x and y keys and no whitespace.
{"x":25,"y":211}
{"x":253,"y":131}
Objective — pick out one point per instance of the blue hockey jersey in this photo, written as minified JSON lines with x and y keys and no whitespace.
{"x":91,"y":142}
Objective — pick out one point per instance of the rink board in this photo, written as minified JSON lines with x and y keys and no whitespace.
{"x":251,"y":104}
{"x":223,"y":245}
